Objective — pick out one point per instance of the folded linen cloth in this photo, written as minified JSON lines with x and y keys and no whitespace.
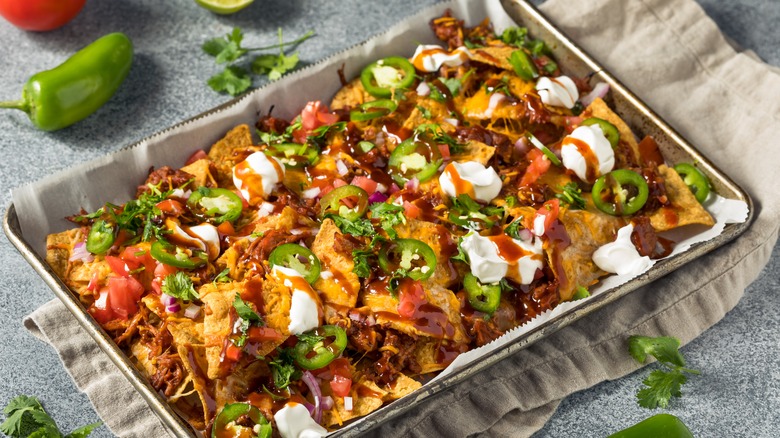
{"x":674,"y":58}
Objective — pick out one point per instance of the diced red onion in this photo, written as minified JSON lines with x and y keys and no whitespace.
{"x":348,"y":403}
{"x":310,"y":381}
{"x":309,"y":406}
{"x":327,"y":403}
{"x":522,"y":146}
{"x":354,"y":316}
{"x":380,"y":139}
{"x":453,"y":122}
{"x":381,"y":188}
{"x":423,"y":89}
{"x":413,"y":184}
{"x":192,"y":311}
{"x":167,"y":300}
{"x":599,"y":91}
{"x":525,"y":234}
{"x":311,"y":193}
{"x":80,"y":253}
{"x":394,"y":189}
{"x":370,"y":320}
{"x":265,"y":209}
{"x":341,"y":168}
{"x":173,"y":308}
{"x":377,"y":197}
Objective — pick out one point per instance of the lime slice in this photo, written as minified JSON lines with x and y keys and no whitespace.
{"x":224,"y":6}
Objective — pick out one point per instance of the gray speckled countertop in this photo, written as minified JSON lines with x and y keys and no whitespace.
{"x":736,"y":395}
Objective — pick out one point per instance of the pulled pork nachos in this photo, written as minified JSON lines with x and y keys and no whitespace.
{"x":289,"y":285}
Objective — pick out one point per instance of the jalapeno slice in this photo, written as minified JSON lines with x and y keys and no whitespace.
{"x":414,"y":158}
{"x":101,"y":236}
{"x":335,"y":202}
{"x":294,"y":155}
{"x":695,"y":179}
{"x":215,"y":205}
{"x":174,"y":255}
{"x":381,"y":78}
{"x":414,"y":257}
{"x":300,"y":258}
{"x":319,"y":347}
{"x":609,"y":130}
{"x":372,"y":110}
{"x":225,"y":425}
{"x":545,"y":150}
{"x":482,"y":297}
{"x":523,"y":65}
{"x":610,"y":196}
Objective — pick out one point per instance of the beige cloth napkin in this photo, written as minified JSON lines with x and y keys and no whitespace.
{"x":674,"y":57}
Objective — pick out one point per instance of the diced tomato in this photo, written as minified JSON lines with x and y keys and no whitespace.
{"x":162,"y":270}
{"x":338,"y":182}
{"x":365,"y":183}
{"x":118,"y":266}
{"x":198,"y":155}
{"x":571,"y":122}
{"x":123,"y":295}
{"x":550,"y":213}
{"x":412,"y":211}
{"x":445,"y":151}
{"x":93,"y":282}
{"x":340,"y":385}
{"x":539,"y":165}
{"x":135,"y":256}
{"x":340,"y":367}
{"x":101,"y":308}
{"x":262,"y":334}
{"x":171,"y":207}
{"x":226,"y":228}
{"x":410,"y":298}
{"x":232,"y":352}
{"x":316,"y":114}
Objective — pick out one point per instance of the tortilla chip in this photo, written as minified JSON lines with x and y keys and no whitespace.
{"x":520,"y":87}
{"x":286,"y":221}
{"x":350,"y":96}
{"x":337,"y":283}
{"x":58,"y":248}
{"x":497,"y":56}
{"x":478,"y":107}
{"x":434,"y":236}
{"x":598,"y":108}
{"x":684,"y":210}
{"x":425,"y":354}
{"x":201,"y":170}
{"x":221,"y":153}
{"x":366,"y":398}
{"x":402,"y":386}
{"x":475,"y":151}
{"x":436,"y":112}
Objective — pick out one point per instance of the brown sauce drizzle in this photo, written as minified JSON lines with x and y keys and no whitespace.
{"x":200,"y":376}
{"x":461,"y":185}
{"x":591,"y":162}
{"x":559,"y":240}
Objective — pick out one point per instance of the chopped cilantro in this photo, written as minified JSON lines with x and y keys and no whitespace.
{"x":362,"y":262}
{"x":223,"y":277}
{"x":426,"y":113}
{"x":389,"y":216}
{"x":469,"y":214}
{"x":179,"y":286}
{"x":248,"y":318}
{"x":572,"y":195}
{"x":360,"y":227}
{"x":283,"y":369}
{"x":461,"y":256}
{"x":513,"y":229}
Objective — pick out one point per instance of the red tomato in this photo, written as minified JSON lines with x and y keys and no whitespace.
{"x":118,"y":266}
{"x":171,"y":207}
{"x":40,"y":15}
{"x":550,"y":212}
{"x":539,"y":165}
{"x":316,"y":114}
{"x":232,"y":352}
{"x":101,"y":308}
{"x":162,"y":270}
{"x":226,"y":228}
{"x":445,"y":151}
{"x":411,"y":296}
{"x":340,"y":385}
{"x":123,"y":295}
{"x":198,"y":155}
{"x":135,"y":257}
{"x":365,"y":183}
{"x":411,"y":211}
{"x":262,"y":334}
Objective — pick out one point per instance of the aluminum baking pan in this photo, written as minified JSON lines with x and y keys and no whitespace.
{"x":573,"y":60}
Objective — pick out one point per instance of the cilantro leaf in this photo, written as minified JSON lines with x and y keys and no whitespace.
{"x":283,"y":369}
{"x":248,"y":318}
{"x":572,"y":195}
{"x":233,"y":80}
{"x":461,"y":256}
{"x":513,"y":229}
{"x":360,"y":227}
{"x":275,"y":65}
{"x":514,"y":36}
{"x":362,"y":262}
{"x":179,"y":285}
{"x":27,"y":418}
{"x":661,"y":387}
{"x":227,"y":48}
{"x":663,"y":348}
{"x":222,"y":277}
{"x":389,"y":216}
{"x":84,"y":431}
{"x":310,"y":338}
{"x":469,"y":214}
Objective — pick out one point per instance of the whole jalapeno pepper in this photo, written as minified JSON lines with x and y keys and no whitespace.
{"x":695,"y":179}
{"x":657,"y":426}
{"x":610,"y":196}
{"x":319,"y":347}
{"x":226,"y":422}
{"x":60,"y":97}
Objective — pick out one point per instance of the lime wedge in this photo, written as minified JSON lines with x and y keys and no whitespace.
{"x":224,"y":6}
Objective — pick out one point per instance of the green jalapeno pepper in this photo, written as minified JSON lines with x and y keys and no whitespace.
{"x":609,"y":130}
{"x":294,"y":155}
{"x":173,"y":255}
{"x":331,"y":203}
{"x":101,"y":236}
{"x":379,"y":81}
{"x":300,"y":258}
{"x":580,"y":293}
{"x":414,"y":158}
{"x":75,"y":89}
{"x":482,"y":297}
{"x":225,"y":425}
{"x":610,"y":197}
{"x":319,"y":347}
{"x":215,"y":205}
{"x":545,"y":150}
{"x":657,"y":426}
{"x":412,"y":256}
{"x":372,"y":110}
{"x":523,"y":65}
{"x":695,"y":179}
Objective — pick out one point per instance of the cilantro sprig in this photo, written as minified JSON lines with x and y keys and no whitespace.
{"x":179,"y":285}
{"x":25,"y":417}
{"x":572,"y":194}
{"x":661,"y":385}
{"x":234,"y":79}
{"x":283,"y":369}
{"x":248,"y":318}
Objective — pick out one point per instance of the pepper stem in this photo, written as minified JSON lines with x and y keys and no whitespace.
{"x":21,"y":104}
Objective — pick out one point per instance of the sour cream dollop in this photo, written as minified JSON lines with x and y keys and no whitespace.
{"x":304,"y":310}
{"x":496,"y":257}
{"x":560,"y":91}
{"x":294,"y":421}
{"x":587,"y":147}
{"x":621,"y":257}
{"x":209,"y":235}
{"x":430,"y":58}
{"x":472,"y":178}
{"x":257,"y":176}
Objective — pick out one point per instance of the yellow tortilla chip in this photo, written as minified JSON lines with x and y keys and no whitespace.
{"x":598,"y":108}
{"x":350,"y":95}
{"x":475,"y":151}
{"x":366,"y":398}
{"x":497,"y":56}
{"x":201,"y":170}
{"x":684,"y":210}
{"x":337,"y":283}
{"x":402,"y":386}
{"x":221,"y":153}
